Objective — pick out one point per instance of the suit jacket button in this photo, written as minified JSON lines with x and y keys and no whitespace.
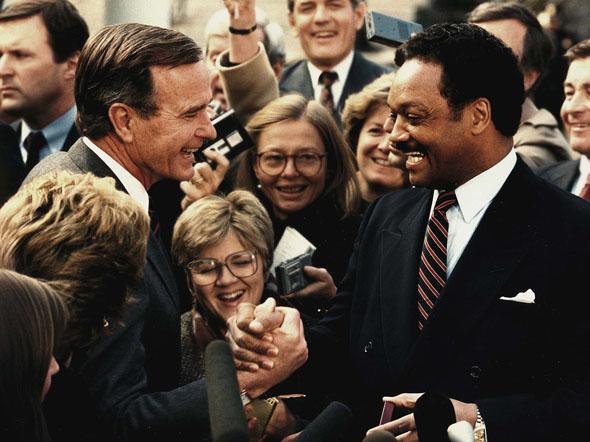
{"x":369,"y":347}
{"x":475,"y":372}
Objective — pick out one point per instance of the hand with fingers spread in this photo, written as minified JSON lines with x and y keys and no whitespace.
{"x":205,"y":181}
{"x":322,"y":287}
{"x":404,"y":428}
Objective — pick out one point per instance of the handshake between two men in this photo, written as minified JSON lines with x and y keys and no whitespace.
{"x":269,"y":345}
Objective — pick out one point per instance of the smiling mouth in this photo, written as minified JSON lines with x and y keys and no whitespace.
{"x":324,"y":34}
{"x":291,"y":189}
{"x":413,"y":158}
{"x":382,"y":162}
{"x":231,"y":297}
{"x":580,"y":126}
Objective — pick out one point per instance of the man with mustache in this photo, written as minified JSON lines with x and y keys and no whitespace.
{"x":454,"y":285}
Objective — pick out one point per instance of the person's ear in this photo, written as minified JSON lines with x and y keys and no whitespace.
{"x":70,"y":66}
{"x":530,"y":77}
{"x":480,"y":113}
{"x":121,"y":117}
{"x":359,"y":15}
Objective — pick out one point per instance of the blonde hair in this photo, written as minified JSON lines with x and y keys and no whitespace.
{"x":341,"y":181}
{"x":84,"y":237}
{"x":358,"y":107}
{"x":208,"y":220}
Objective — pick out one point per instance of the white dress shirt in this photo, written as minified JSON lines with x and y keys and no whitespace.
{"x":342,"y":69}
{"x":584,"y":171}
{"x":134,"y":188}
{"x":473,"y":199}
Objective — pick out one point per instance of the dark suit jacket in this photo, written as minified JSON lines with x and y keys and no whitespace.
{"x":12,"y":167}
{"x":295,"y":78}
{"x":525,"y":365}
{"x":133,"y":374}
{"x":563,"y":174}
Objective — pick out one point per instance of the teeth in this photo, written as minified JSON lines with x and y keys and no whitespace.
{"x":291,"y":189}
{"x":324,"y":34}
{"x":382,"y":162}
{"x":414,"y":157}
{"x":230,"y":296}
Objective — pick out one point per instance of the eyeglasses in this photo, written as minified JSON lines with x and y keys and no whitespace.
{"x":206,"y":271}
{"x":306,"y":163}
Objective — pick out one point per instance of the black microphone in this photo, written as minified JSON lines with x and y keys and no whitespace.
{"x":328,"y":425}
{"x":380,"y":436}
{"x":226,"y":412}
{"x":433,"y":414}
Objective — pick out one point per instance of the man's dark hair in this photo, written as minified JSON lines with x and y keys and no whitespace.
{"x":475,"y":64}
{"x":114,"y":67}
{"x":578,"y":51}
{"x":291,"y":4}
{"x":66,"y":28}
{"x":537,"y":48}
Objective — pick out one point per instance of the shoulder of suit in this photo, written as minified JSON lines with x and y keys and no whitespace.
{"x":291,"y":67}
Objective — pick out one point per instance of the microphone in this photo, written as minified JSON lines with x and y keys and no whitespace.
{"x":226,"y":412}
{"x":379,"y":436}
{"x":328,"y":425}
{"x":433,"y":414}
{"x":461,"y":431}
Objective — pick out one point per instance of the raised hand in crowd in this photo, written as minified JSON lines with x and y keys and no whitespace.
{"x":243,"y":41}
{"x":205,"y":181}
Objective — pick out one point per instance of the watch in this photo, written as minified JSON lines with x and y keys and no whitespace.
{"x":479,"y":431}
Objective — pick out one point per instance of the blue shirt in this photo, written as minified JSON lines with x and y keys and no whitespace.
{"x":55,"y":133}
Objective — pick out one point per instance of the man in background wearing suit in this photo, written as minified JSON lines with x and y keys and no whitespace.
{"x":332,"y":70}
{"x":538,"y":140}
{"x":40,"y":41}
{"x":472,"y":282}
{"x":574,"y":176}
{"x":141,"y":94}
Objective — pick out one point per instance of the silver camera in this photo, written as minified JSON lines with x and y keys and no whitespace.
{"x":290,"y":276}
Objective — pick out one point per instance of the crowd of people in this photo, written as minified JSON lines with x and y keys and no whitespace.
{"x":446,"y":210}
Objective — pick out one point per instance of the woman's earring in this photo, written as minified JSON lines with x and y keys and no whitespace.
{"x":259,"y":186}
{"x":105,"y":322}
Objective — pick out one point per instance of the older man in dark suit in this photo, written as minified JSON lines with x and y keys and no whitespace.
{"x":574,"y":176}
{"x":142,"y":95}
{"x":471,"y":283}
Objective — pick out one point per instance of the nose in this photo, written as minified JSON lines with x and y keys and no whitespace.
{"x":321,"y":13}
{"x":290,"y":169}
{"x":576,"y":103}
{"x":4,"y":65}
{"x":383,"y":145}
{"x":225,"y":277}
{"x":397,"y":132}
{"x":205,"y":128}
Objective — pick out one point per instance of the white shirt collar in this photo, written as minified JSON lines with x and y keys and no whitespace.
{"x":584,"y":167}
{"x":134,"y":188}
{"x":477,"y":193}
{"x":342,"y":69}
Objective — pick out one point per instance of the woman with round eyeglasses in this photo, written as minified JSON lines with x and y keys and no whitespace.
{"x":304,"y":174}
{"x":225,"y":246}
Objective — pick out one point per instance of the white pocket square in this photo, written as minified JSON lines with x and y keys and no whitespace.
{"x":527,"y":297}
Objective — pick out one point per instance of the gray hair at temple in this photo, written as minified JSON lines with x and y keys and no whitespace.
{"x":273,"y":34}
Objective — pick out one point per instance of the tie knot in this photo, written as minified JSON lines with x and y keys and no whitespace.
{"x":327,"y":78}
{"x":445,"y":200}
{"x":34,"y":141}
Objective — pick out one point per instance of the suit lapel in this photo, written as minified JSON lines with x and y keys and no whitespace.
{"x":356,"y":77}
{"x":565,"y":175}
{"x":71,"y":138}
{"x":398,"y":295}
{"x":88,"y":161}
{"x":498,"y":245}
{"x":298,"y":81}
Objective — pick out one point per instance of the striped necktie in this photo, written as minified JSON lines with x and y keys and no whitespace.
{"x":432,"y":273}
{"x":327,"y":79}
